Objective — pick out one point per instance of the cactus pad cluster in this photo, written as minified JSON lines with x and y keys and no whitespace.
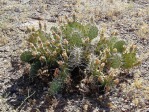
{"x":67,"y":53}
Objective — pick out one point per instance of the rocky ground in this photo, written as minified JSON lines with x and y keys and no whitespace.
{"x":129,"y":19}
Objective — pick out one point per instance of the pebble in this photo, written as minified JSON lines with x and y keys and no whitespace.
{"x":52,"y":20}
{"x":123,"y":109}
{"x":132,"y":104}
{"x":96,"y":110}
{"x":45,"y":88}
{"x":37,"y":17}
{"x":126,"y":106}
{"x":85,"y":107}
{"x":17,"y":10}
{"x":14,"y":96}
{"x":52,"y":2}
{"x":125,"y":101}
{"x":24,"y":1}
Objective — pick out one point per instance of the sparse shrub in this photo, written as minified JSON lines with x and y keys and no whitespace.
{"x":69,"y":53}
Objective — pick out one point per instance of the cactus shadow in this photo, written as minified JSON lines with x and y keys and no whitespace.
{"x":25,"y":94}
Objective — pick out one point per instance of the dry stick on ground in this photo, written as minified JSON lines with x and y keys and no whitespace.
{"x":25,"y":100}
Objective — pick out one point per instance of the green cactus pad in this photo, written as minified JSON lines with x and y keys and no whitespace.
{"x":55,"y":86}
{"x":115,"y":61}
{"x":91,"y":31}
{"x":34,"y":68}
{"x":129,"y":59}
{"x":75,"y":31}
{"x":119,"y":46}
{"x":111,"y":42}
{"x":26,"y":56}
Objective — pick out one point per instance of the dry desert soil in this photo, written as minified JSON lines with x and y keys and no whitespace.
{"x":128,"y":18}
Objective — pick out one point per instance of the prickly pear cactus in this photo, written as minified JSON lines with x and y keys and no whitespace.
{"x":67,"y":52}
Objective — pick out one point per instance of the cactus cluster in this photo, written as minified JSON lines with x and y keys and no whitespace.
{"x":68,"y":52}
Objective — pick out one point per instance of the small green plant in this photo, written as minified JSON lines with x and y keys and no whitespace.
{"x":68,"y":52}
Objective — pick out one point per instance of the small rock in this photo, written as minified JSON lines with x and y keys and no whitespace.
{"x":52,"y":20}
{"x":126,"y":106}
{"x":0,"y":100}
{"x":45,"y":88}
{"x":17,"y":9}
{"x":123,"y":109}
{"x":96,"y":110}
{"x":52,"y":2}
{"x":14,"y":95}
{"x":85,"y":107}
{"x":37,"y":17}
{"x":132,"y":104}
{"x":24,"y":1}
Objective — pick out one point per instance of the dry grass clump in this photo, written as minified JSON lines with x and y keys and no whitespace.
{"x":143,"y":31}
{"x":3,"y":40}
{"x":143,"y":11}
